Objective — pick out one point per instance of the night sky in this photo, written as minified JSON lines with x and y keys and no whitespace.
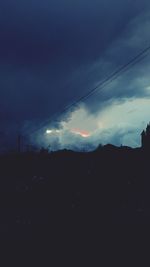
{"x":53,"y":52}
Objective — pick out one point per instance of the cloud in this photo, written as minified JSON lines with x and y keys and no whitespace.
{"x":54,"y":52}
{"x":117,"y":113}
{"x":118,"y":124}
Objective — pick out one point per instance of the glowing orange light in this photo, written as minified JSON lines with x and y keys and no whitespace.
{"x":82,"y":133}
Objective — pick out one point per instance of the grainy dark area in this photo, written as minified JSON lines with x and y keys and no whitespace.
{"x":73,"y":197}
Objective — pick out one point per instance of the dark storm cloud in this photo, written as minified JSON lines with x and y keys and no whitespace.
{"x":35,"y":32}
{"x":134,"y":81}
{"x":52,"y":52}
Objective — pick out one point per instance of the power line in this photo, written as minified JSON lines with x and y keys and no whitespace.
{"x":100,"y":86}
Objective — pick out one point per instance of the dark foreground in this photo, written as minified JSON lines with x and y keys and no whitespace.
{"x":68,"y":203}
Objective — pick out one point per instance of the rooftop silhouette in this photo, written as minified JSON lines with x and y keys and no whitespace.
{"x":145,"y":138}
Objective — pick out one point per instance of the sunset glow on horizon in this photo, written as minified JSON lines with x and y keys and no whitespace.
{"x":83,"y":133}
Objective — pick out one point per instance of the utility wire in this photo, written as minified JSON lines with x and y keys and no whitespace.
{"x":100,"y":86}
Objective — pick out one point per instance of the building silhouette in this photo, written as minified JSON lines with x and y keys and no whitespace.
{"x":145,"y":138}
